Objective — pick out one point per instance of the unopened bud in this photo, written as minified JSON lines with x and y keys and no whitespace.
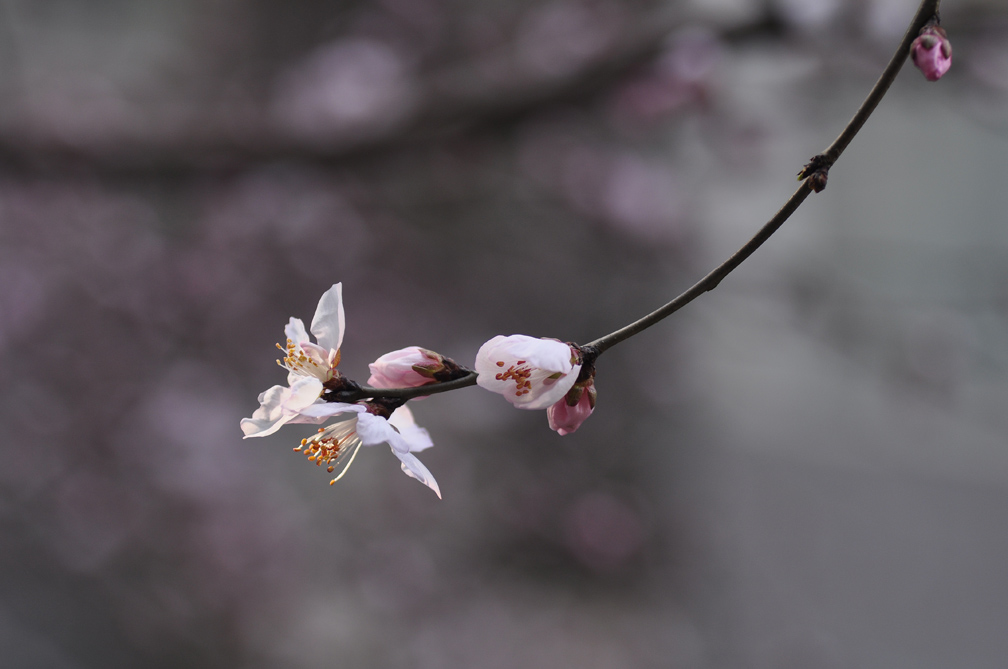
{"x":573,"y":409}
{"x":931,"y":52}
{"x":406,"y":368}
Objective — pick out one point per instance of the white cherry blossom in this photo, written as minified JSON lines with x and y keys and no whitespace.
{"x":530,"y":373}
{"x":336,"y":445}
{"x":281,"y":405}
{"x":319,"y":360}
{"x":309,"y":365}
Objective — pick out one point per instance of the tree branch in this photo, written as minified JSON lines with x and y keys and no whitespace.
{"x":365,"y":392}
{"x":820,"y":164}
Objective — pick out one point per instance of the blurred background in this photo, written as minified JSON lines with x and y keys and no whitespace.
{"x":807,"y":467}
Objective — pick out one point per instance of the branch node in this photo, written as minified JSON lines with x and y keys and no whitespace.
{"x":816,"y":172}
{"x":342,"y":389}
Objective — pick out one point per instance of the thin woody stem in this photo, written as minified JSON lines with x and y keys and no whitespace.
{"x":925,"y":13}
{"x":823,"y":161}
{"x":364,"y":392}
{"x":820,"y":163}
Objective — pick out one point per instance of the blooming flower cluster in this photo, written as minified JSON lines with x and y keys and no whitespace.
{"x":311,"y":368}
{"x":530,"y":373}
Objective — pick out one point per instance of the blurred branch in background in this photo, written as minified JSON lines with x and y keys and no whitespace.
{"x":357,"y":98}
{"x":453,"y":100}
{"x":498,"y":89}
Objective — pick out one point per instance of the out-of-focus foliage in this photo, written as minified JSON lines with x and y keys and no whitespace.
{"x":806,"y":468}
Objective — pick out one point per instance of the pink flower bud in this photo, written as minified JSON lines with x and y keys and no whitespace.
{"x":932,"y":52}
{"x":565,"y":417}
{"x":405,"y":368}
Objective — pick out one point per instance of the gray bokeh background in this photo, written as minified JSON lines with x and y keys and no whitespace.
{"x":807,"y":467}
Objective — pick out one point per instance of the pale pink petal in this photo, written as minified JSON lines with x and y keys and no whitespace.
{"x":566,"y":419}
{"x":395,"y":369}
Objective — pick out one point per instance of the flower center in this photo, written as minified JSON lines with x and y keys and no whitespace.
{"x":331,"y":446}
{"x":519,"y":373}
{"x":308,"y":362}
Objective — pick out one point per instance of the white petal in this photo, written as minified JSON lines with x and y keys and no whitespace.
{"x":270,"y":416}
{"x":295,"y":331}
{"x":301,"y":418}
{"x":317,"y":353}
{"x":271,"y":401}
{"x":327,"y":409}
{"x":545,"y":392}
{"x":413,"y":468}
{"x":542,"y":360}
{"x":544,"y":353}
{"x":416,"y":437}
{"x":549,"y":354}
{"x":280,"y":405}
{"x":486,"y":363}
{"x":374,"y":430}
{"x":327,"y":326}
{"x":254,"y":427}
{"x":303,"y":393}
